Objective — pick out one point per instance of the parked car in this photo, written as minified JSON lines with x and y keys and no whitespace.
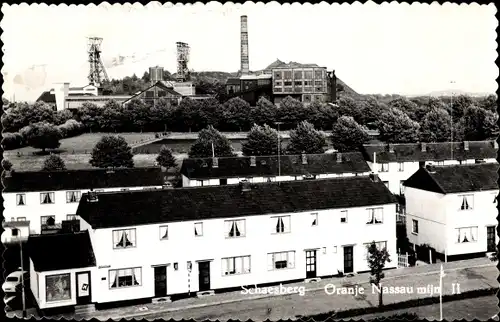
{"x":13,"y":281}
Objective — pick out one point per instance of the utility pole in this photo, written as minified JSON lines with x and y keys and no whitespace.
{"x":279,"y":147}
{"x":451,"y":119}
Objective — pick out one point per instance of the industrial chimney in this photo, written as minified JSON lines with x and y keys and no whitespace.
{"x":245,"y":65}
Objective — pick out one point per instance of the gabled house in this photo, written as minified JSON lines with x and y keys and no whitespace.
{"x":157,"y":91}
{"x":46,"y":199}
{"x":154,"y":244}
{"x":232,"y":170}
{"x":453,"y":209}
{"x":395,"y":163}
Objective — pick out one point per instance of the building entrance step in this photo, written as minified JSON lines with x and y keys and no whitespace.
{"x":165,"y":299}
{"x":205,"y":293}
{"x":312,"y":280}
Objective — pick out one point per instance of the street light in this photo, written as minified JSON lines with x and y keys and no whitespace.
{"x":279,"y":146}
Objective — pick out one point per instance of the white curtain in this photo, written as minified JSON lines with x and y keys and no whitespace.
{"x":239,"y":226}
{"x":164,"y":232}
{"x":116,"y":238}
{"x":112,"y":279}
{"x":286,"y":223}
{"x":238,"y":265}
{"x":379,"y":215}
{"x":246,"y":264}
{"x":473,"y":234}
{"x":465,"y":235}
{"x":228,"y":225}
{"x":137,"y":276}
{"x":290,"y":260}
{"x":458,"y":235}
{"x":279,"y":228}
{"x":470,"y":201}
{"x":371,"y":216}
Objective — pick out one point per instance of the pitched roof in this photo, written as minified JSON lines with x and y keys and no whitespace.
{"x":47,"y":97}
{"x":81,"y":179}
{"x":133,"y":208}
{"x":61,"y":251}
{"x":455,"y":178}
{"x":433,"y":152}
{"x":233,"y":81}
{"x":240,"y":167}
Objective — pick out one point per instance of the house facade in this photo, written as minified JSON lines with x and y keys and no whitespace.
{"x":395,"y":163}
{"x":204,"y":239}
{"x":453,"y":209}
{"x":255,"y":169}
{"x":37,"y":200}
{"x":159,"y":90}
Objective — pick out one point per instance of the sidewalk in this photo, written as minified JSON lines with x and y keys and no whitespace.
{"x":473,"y":274}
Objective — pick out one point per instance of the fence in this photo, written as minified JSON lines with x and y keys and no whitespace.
{"x":403,"y":260}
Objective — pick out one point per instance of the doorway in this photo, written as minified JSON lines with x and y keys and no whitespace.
{"x":204,"y":276}
{"x":490,"y":239}
{"x":348,"y":259}
{"x":83,"y":288}
{"x":311,"y":264}
{"x":160,"y":281}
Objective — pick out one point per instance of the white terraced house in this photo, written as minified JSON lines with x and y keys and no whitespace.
{"x":40,"y":201}
{"x":453,"y":209}
{"x":157,"y":244}
{"x":394,"y":163}
{"x":255,"y":169}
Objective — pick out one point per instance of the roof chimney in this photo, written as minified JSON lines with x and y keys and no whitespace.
{"x":391,"y":148}
{"x":424,"y":147}
{"x":245,"y":64}
{"x":339,"y":157}
{"x":215,"y":162}
{"x":252,"y":161}
{"x":245,"y":185}
{"x":430,"y":168}
{"x":304,"y":158}
{"x":92,"y":196}
{"x":466,"y":145}
{"x":374,"y":177}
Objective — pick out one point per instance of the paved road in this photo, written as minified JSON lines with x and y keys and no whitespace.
{"x":481,"y":308}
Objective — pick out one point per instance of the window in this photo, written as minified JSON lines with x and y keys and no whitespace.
{"x":343,"y":216}
{"x":124,"y":238}
{"x":47,"y":197}
{"x":124,"y":277}
{"x":401,"y":166}
{"x":318,"y":83}
{"x":414,"y":227}
{"x":15,"y":232}
{"x":467,"y":202}
{"x":70,"y":217}
{"x":380,"y":245}
{"x":383,"y":167}
{"x":375,"y":215}
{"x":198,"y":229}
{"x":235,"y":265}
{"x":278,"y":83}
{"x":282,"y":260}
{"x":235,"y":228}
{"x":314,"y":219}
{"x":288,"y":74}
{"x":466,"y":234}
{"x":277,"y":75}
{"x":164,"y":232}
{"x":281,"y":224}
{"x":308,"y":74}
{"x":21,"y":199}
{"x":402,"y":187}
{"x":308,"y":83}
{"x":48,"y":220}
{"x":297,"y":83}
{"x":288,"y":83}
{"x":73,"y":196}
{"x":495,"y":197}
{"x":297,"y":74}
{"x":318,"y":74}
{"x":307,"y":98}
{"x":124,"y":189}
{"x":440,"y":163}
{"x":278,"y":90}
{"x":21,"y":218}
{"x":58,"y":287}
{"x":270,"y":179}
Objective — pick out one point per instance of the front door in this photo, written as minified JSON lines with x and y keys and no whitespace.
{"x":348,"y":259}
{"x":310,"y":263}
{"x":82,"y":288}
{"x":490,"y":239}
{"x":160,"y":281}
{"x":204,"y":276}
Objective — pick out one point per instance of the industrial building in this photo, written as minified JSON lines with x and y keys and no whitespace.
{"x":305,"y":82}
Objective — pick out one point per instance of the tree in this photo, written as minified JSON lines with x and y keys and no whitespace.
{"x":236,"y":114}
{"x":112,"y":116}
{"x":306,"y":139}
{"x":489,"y":103}
{"x":137,"y":114}
{"x":112,"y":152}
{"x":264,"y":113}
{"x":348,"y":135}
{"x":261,"y":140}
{"x":321,"y":115}
{"x":435,"y":126}
{"x":349,"y":107}
{"x":479,"y":124}
{"x":405,"y":105}
{"x":165,"y":158}
{"x":291,"y":112}
{"x":396,"y":127}
{"x":202,"y":147}
{"x":53,"y":163}
{"x":89,"y":115}
{"x":42,"y":135}
{"x":376,"y":261}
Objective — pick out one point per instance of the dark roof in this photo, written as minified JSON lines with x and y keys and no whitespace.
{"x":434,"y":151}
{"x":455,"y":178}
{"x":47,"y":97}
{"x":160,"y":84}
{"x":121,"y":209}
{"x":61,"y":251}
{"x":231,"y":167}
{"x":81,"y":179}
{"x":233,"y":81}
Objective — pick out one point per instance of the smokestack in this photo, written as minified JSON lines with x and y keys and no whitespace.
{"x":245,"y":65}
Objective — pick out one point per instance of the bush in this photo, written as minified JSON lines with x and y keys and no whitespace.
{"x":71,"y":128}
{"x":12,"y":141}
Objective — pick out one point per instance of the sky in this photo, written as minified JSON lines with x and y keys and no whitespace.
{"x":387,"y":49}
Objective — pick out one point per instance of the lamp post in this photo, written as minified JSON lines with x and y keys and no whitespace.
{"x":279,"y":147}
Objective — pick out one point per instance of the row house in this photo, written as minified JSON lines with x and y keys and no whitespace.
{"x":42,"y":201}
{"x":395,"y":163}
{"x":255,"y":169}
{"x":453,"y":209}
{"x":155,"y":244}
